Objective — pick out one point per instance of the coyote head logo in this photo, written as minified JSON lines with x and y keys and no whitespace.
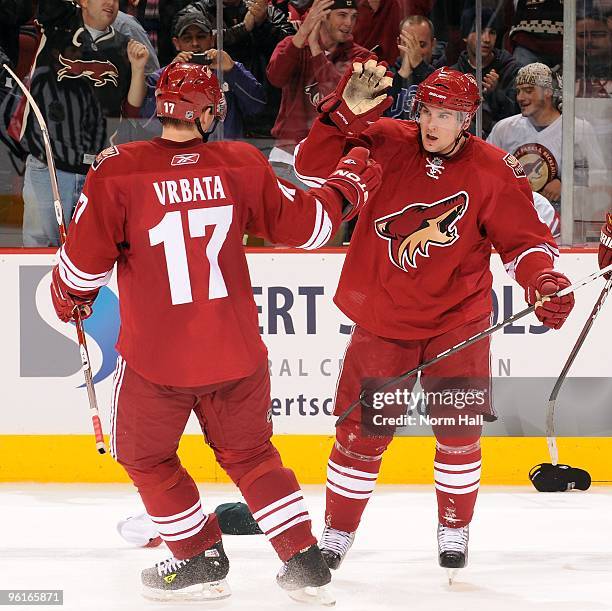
{"x":100,"y":72}
{"x":418,"y":226}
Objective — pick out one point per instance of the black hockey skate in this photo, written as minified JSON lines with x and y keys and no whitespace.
{"x":453,"y":549}
{"x":199,"y":578}
{"x":334,"y":546}
{"x":304,"y":577}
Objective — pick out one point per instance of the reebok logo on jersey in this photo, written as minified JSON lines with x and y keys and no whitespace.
{"x":185,"y":159}
{"x":418,"y":226}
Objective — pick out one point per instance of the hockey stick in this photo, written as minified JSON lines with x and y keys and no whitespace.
{"x":550,"y":423}
{"x":61,"y":222}
{"x":472,"y":340}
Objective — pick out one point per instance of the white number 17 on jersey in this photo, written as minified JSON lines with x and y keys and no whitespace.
{"x":169,"y":232}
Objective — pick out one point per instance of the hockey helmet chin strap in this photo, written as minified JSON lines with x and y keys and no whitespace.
{"x":460,"y":140}
{"x":206,"y":134}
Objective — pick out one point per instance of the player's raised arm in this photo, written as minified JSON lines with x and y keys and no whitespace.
{"x":87,"y":258}
{"x":357,"y":102}
{"x":307,"y":219}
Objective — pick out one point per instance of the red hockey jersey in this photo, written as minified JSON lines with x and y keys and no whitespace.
{"x":418,"y":262}
{"x":172,"y":215}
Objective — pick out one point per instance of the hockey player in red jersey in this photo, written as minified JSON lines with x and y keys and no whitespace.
{"x":171,"y":213}
{"x":416,"y":281}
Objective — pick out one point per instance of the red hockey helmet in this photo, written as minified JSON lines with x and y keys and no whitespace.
{"x":185,"y":90}
{"x":449,"y":89}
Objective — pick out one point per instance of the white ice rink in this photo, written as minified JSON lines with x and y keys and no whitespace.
{"x":528,"y":550}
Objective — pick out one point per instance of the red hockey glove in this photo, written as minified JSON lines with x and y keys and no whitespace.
{"x":65,"y":304}
{"x":552,"y":311}
{"x":605,"y":245}
{"x":356,"y":177}
{"x":360,"y":97}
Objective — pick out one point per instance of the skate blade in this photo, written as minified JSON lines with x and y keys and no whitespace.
{"x":313,"y":596}
{"x":214,"y":590}
{"x":451,"y":574}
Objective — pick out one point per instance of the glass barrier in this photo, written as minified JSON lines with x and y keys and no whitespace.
{"x":593,"y":124}
{"x":277,"y":61}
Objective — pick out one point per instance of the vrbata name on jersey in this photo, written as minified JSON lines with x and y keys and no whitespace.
{"x":186,"y":190}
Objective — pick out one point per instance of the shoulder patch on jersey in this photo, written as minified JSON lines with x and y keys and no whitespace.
{"x":111,"y":151}
{"x":515,"y":165}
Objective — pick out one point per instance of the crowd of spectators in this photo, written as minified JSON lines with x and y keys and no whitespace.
{"x":92,"y":66}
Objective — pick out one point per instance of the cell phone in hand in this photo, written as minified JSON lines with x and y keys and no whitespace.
{"x":200,"y":58}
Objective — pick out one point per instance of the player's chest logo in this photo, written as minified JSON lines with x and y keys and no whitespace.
{"x":417,"y":227}
{"x":434,"y":167}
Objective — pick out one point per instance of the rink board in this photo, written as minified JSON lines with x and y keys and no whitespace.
{"x":45,"y":426}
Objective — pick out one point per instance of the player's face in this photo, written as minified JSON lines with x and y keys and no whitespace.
{"x":440,"y":128}
{"x":340,"y":24}
{"x":423,"y":34}
{"x":531,"y":99}
{"x":99,"y":14}
{"x":194,"y":39}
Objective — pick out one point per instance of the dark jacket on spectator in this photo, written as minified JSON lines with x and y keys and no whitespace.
{"x":403,"y":89}
{"x":78,"y":84}
{"x":254,"y":50}
{"x":305,"y":80}
{"x":244,"y":95}
{"x":501,"y":102}
{"x":13,"y":13}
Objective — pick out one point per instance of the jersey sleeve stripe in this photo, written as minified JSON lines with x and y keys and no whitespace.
{"x":317,"y":225}
{"x":78,"y":280}
{"x":311,"y":181}
{"x":545,"y":248}
{"x":322,"y":230}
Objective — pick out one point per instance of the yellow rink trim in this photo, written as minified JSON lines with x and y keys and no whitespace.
{"x":506,"y":461}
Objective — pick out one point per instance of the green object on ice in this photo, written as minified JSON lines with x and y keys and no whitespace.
{"x":236,"y":519}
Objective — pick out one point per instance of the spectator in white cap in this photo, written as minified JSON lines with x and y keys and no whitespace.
{"x":534,"y":135}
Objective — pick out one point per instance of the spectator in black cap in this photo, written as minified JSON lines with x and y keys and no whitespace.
{"x":193,"y":33}
{"x":252,"y":30}
{"x":498,"y":67}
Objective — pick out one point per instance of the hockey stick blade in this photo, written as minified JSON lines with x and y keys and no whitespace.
{"x":550,"y":415}
{"x":61,"y":223}
{"x":472,"y":340}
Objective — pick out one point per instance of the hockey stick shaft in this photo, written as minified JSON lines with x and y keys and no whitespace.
{"x":550,"y":416}
{"x":61,"y":222}
{"x":472,"y":340}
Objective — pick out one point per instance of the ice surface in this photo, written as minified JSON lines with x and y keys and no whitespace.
{"x":528,"y":550}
